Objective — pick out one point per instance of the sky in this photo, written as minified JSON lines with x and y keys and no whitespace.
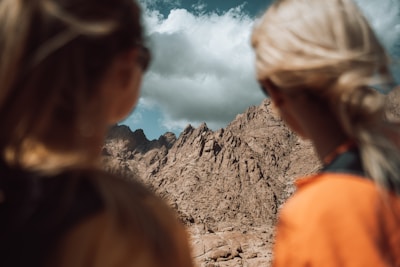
{"x":202,"y":68}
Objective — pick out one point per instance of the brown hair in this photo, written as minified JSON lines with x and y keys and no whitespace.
{"x":53,"y":55}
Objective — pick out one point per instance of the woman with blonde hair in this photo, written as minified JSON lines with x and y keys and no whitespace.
{"x":68,"y":70}
{"x":317,"y":61}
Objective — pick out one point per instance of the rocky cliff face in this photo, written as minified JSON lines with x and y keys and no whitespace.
{"x":240,"y":174}
{"x":230,"y":181}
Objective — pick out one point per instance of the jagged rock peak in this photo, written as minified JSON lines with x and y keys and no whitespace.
{"x":188,"y":130}
{"x":203,"y":127}
{"x":140,"y":136}
{"x":121,"y":136}
{"x":119,"y":132}
{"x":168,"y":139}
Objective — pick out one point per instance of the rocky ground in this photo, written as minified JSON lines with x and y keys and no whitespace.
{"x":232,"y":247}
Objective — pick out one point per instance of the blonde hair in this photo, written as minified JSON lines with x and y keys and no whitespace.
{"x":329,"y":48}
{"x":53,"y":56}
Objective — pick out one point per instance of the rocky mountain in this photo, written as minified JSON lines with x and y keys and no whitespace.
{"x":226,"y":185}
{"x":242,"y":173}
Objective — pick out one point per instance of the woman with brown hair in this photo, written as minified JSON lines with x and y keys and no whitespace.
{"x":317,"y":60}
{"x":68,"y":70}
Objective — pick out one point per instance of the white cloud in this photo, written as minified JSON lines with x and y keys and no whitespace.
{"x":203,"y":67}
{"x":199,"y":7}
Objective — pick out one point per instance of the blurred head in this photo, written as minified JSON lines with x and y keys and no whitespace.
{"x":298,"y":40}
{"x":326,"y":52}
{"x":60,"y":60}
{"x":323,"y":48}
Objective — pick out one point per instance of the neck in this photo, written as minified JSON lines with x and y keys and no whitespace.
{"x":326,"y":140}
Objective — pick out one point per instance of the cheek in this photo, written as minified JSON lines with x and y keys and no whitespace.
{"x":288,"y":115}
{"x":131,"y":98}
{"x":292,"y":123}
{"x":129,"y":101}
{"x":127,"y":98}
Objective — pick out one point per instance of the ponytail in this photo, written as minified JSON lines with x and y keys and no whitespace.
{"x":361,"y":112}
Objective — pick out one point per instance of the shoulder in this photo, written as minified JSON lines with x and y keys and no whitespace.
{"x":107,"y":188}
{"x":333,"y":195}
{"x":128,"y":200}
{"x":128,"y":196}
{"x":99,"y":241}
{"x":133,"y":216}
{"x":335,"y":215}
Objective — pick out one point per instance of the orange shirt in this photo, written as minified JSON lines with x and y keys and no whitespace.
{"x":338,"y":219}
